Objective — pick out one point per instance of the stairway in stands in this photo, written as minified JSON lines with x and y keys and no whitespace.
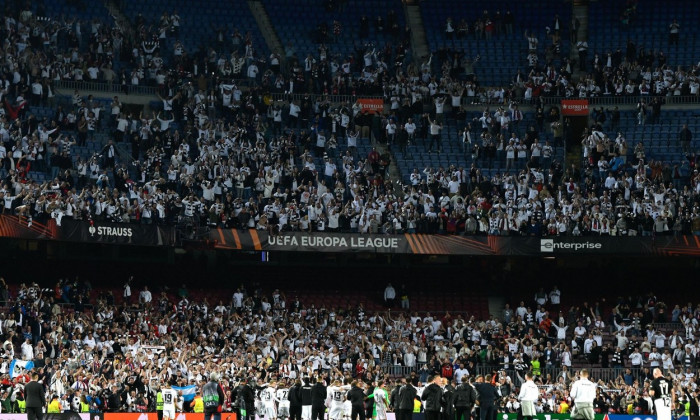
{"x":419,"y":42}
{"x":466,"y":305}
{"x":262,"y":18}
{"x":580,"y":11}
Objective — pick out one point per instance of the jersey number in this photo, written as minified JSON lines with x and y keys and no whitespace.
{"x":167,"y":398}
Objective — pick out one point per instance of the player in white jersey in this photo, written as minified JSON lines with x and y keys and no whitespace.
{"x":281,"y":395}
{"x":347,"y":409}
{"x":178,"y":406}
{"x":583,"y":393}
{"x":336,"y":398}
{"x":347,"y":404}
{"x":259,"y":406}
{"x":269,"y":397}
{"x":170,"y":397}
{"x":381,"y":402}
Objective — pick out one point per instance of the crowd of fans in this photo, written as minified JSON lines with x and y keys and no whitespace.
{"x":610,"y":73}
{"x":42,"y":49}
{"x":152,"y":54}
{"x":113,"y":353}
{"x":219,"y":155}
{"x":45,"y":49}
{"x":255,"y":166}
{"x":547,"y":70}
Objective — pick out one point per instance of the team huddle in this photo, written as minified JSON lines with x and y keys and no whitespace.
{"x":273,"y":401}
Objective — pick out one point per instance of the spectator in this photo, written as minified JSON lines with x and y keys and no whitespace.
{"x":389,"y":295}
{"x":673,"y":32}
{"x":685,"y":137}
{"x":145,"y":297}
{"x":127,"y":290}
{"x":582,"y":47}
{"x":435,"y":138}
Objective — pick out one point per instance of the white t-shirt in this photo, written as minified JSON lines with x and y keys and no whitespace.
{"x":583,"y":391}
{"x":352,"y":140}
{"x":169,"y":399}
{"x":237,"y":300}
{"x":529,"y":392}
{"x":252,"y":71}
{"x":281,"y":395}
{"x":439,"y":107}
{"x":554,"y":295}
{"x":268,"y":396}
{"x":459,"y":374}
{"x":146,"y":296}
{"x":336,"y":396}
{"x":410,"y":128}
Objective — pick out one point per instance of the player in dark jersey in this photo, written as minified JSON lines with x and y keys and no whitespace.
{"x":661,"y":392}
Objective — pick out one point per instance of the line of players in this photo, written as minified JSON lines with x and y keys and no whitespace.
{"x":273,"y":401}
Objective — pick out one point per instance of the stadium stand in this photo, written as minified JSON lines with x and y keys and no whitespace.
{"x":268,"y":150}
{"x":496,"y":34}
{"x":119,"y":330}
{"x":647,"y":25}
{"x":229,"y":26}
{"x":340,"y":27}
{"x":274,"y":148}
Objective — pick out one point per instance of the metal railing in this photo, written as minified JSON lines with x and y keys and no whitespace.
{"x":124,"y":154}
{"x":622,"y":100}
{"x":595,"y":373}
{"x":335,"y":99}
{"x":604,"y":100}
{"x":669,"y":326}
{"x":474,"y":101}
{"x":606,"y":375}
{"x":398,"y":371}
{"x":105,"y":87}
